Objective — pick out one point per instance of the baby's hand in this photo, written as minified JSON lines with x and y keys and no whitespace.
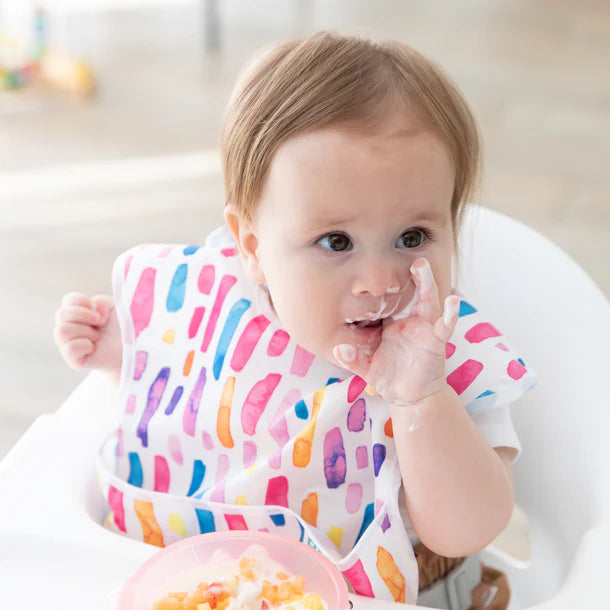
{"x":409,"y":364}
{"x":87,"y":333}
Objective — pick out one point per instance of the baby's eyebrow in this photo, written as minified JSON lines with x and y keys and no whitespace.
{"x":428,"y":215}
{"x":323,"y":222}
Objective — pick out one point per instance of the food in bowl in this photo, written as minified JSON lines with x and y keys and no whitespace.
{"x":256,"y":582}
{"x":235,"y":570}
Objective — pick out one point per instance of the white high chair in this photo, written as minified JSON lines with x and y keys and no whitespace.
{"x":551,"y":311}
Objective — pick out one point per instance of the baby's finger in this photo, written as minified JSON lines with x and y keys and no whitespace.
{"x":427,"y":305}
{"x":352,"y":359}
{"x":68,"y":331}
{"x":104,"y":305}
{"x":75,"y":352}
{"x":445,"y":325}
{"x":77,"y":314}
{"x":76,"y":298}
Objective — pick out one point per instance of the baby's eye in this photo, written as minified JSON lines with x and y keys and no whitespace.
{"x":338,"y":242}
{"x":411,"y":239}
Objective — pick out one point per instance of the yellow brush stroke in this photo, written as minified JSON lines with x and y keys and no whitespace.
{"x":370,"y":390}
{"x":169,"y":336}
{"x":241,"y":501}
{"x":309,"y":509}
{"x":252,"y":468}
{"x":391,"y":575}
{"x":223,"y":419}
{"x":301,"y":450}
{"x":176,"y":523}
{"x":336,"y":535}
{"x":188,"y":363}
{"x":151,"y":532}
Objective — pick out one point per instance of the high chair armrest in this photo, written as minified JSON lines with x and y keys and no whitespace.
{"x":91,"y":404}
{"x":586,"y":582}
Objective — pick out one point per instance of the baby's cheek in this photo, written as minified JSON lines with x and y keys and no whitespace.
{"x":443,"y":283}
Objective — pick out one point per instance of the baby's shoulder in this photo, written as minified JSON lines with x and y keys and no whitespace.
{"x":482,"y":365}
{"x":180,"y":260}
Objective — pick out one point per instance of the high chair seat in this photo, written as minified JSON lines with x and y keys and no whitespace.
{"x":558,"y":318}
{"x":51,"y":512}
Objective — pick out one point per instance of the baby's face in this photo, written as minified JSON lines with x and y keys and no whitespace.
{"x":341,"y":219}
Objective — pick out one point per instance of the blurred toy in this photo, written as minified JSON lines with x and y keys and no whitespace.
{"x":67,"y":73}
{"x":25,"y":55}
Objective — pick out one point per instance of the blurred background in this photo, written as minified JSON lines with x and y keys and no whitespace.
{"x":110,"y":116}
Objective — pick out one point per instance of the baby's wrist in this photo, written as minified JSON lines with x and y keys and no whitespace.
{"x":431,"y":394}
{"x":409,"y":415}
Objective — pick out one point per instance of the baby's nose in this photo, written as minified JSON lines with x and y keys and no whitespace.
{"x":376,"y":280}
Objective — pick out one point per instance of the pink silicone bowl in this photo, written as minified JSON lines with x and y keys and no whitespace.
{"x":147,"y":585}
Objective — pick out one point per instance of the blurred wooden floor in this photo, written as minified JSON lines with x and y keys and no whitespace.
{"x":535,"y":73}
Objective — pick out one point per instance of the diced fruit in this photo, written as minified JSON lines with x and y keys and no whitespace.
{"x":247,"y":573}
{"x":298,"y":584}
{"x":283,"y":591}
{"x":313,"y":602}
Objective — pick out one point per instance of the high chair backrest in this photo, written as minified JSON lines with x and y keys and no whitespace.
{"x":559,"y":320}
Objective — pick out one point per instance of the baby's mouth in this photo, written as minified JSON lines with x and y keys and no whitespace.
{"x":368,"y":323}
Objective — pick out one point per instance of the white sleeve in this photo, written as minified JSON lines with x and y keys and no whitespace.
{"x":496,"y":426}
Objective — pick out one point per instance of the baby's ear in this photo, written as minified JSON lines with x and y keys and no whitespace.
{"x":244,"y":234}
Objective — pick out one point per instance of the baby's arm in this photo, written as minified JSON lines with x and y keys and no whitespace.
{"x":87,"y":333}
{"x":459,"y":491}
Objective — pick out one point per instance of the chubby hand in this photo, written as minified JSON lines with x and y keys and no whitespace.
{"x":87,"y":333}
{"x":409,"y":364}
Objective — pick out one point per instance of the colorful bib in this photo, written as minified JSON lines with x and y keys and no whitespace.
{"x":226,"y":423}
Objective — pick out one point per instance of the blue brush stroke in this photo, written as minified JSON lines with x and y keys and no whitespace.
{"x":278,"y":519}
{"x":177,"y":289}
{"x":237,"y":311}
{"x":300,"y":410}
{"x":466,"y":309}
{"x":136,"y":477}
{"x":302,"y":531}
{"x":369,"y":514}
{"x":198,"y":475}
{"x":206,"y":520}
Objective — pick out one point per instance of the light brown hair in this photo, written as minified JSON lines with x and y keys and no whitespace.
{"x":328,"y":79}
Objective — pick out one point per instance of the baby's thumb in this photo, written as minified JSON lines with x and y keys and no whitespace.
{"x":104,"y":305}
{"x":353,"y":359}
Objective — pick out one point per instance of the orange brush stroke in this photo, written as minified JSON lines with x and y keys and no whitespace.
{"x":301,"y":450}
{"x":151,"y":532}
{"x":188,"y":363}
{"x":309,"y":509}
{"x":223,"y":419}
{"x":391,"y":575}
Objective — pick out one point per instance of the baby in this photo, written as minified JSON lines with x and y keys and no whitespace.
{"x":309,"y":370}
